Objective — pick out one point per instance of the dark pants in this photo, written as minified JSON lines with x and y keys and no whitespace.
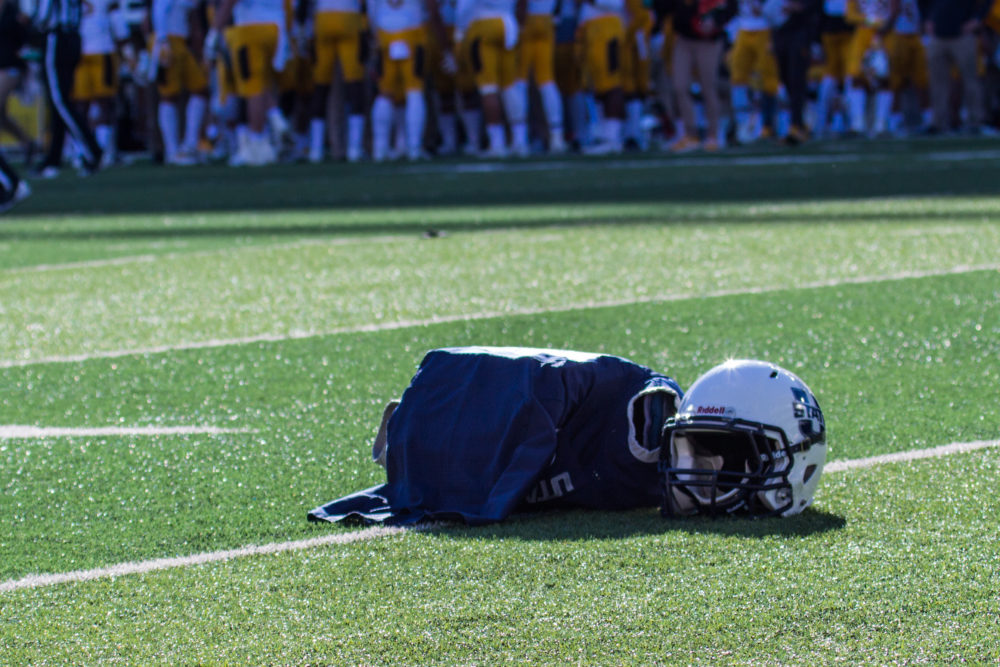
{"x":61,"y":55}
{"x":791,"y":49}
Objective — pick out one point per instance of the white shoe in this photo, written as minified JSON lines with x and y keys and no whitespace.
{"x":557,"y":145}
{"x":182,"y":159}
{"x":500,"y":153}
{"x":603,"y":148}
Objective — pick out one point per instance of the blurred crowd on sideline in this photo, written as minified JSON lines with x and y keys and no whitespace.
{"x":255,"y":82}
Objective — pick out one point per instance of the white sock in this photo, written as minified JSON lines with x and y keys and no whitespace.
{"x":382,"y":113}
{"x":193,"y":115}
{"x":552,"y":105}
{"x":355,"y":136}
{"x":883,"y":107}
{"x":612,"y":131}
{"x":416,"y":117}
{"x":515,"y":106}
{"x":104,"y":137}
{"x":497,"y":138}
{"x":857,"y":102}
{"x":168,"y":118}
{"x":317,"y":139}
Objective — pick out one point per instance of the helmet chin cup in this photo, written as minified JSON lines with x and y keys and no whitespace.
{"x":749,"y":438}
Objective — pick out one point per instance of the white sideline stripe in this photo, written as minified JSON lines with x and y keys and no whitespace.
{"x":899,"y":457}
{"x":484,"y":315}
{"x":375,"y":532}
{"x":18,"y":432}
{"x":141,"y":567}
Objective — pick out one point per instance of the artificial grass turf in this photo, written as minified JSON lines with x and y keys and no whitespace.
{"x":896,"y":366}
{"x":327,"y":286}
{"x":894,"y":564}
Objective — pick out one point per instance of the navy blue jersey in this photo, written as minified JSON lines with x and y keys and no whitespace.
{"x":484,"y":432}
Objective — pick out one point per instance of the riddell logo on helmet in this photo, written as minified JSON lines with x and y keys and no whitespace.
{"x":712,"y":410}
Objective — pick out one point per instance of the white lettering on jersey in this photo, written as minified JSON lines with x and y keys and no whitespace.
{"x":547,"y":489}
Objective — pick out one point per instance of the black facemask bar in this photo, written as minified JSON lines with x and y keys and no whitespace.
{"x":764,"y":453}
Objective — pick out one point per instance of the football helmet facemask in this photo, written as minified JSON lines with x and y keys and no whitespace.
{"x":749,"y":438}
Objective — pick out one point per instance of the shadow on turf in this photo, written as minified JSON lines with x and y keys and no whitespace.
{"x":151,"y":190}
{"x":581,"y":524}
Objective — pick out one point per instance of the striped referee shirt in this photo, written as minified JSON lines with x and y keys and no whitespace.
{"x":63,"y":15}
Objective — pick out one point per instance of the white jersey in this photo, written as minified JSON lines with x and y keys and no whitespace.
{"x":542,"y":7}
{"x":338,"y":6}
{"x":396,"y":15}
{"x":750,"y":16}
{"x":170,"y":18}
{"x":246,"y":12}
{"x":95,"y":28}
{"x":599,"y":8}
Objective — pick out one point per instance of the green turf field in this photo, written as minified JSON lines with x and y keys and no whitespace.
{"x":283,"y":306}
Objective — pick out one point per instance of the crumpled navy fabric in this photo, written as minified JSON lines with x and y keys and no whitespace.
{"x":481,"y":433}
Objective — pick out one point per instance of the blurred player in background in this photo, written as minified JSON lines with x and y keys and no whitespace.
{"x":752,"y":61}
{"x":601,"y":34}
{"x":95,"y":83}
{"x":340,"y":40}
{"x":180,"y":79}
{"x":259,"y":49}
{"x":537,"y":64}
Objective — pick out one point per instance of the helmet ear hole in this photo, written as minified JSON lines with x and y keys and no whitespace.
{"x":810,"y":469}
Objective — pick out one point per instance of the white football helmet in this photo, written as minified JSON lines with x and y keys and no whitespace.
{"x":749,"y":437}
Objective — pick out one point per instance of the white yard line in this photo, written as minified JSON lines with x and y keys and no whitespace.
{"x":404,"y":324}
{"x":900,"y":457}
{"x":18,"y":432}
{"x":375,"y":532}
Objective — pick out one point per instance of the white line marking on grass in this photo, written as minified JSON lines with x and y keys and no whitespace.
{"x":483,"y":315}
{"x":375,"y":532}
{"x":899,"y":457}
{"x":141,"y":567}
{"x":17,"y":432}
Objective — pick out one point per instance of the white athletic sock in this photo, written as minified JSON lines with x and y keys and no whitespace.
{"x":883,"y":107}
{"x":104,"y":137}
{"x":497,"y":138}
{"x":355,"y":136}
{"x":382,"y":115}
{"x":612,"y":131}
{"x":552,"y":105}
{"x":317,"y":139}
{"x":416,"y":117}
{"x":193,"y":115}
{"x":857,"y":103}
{"x":168,"y":119}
